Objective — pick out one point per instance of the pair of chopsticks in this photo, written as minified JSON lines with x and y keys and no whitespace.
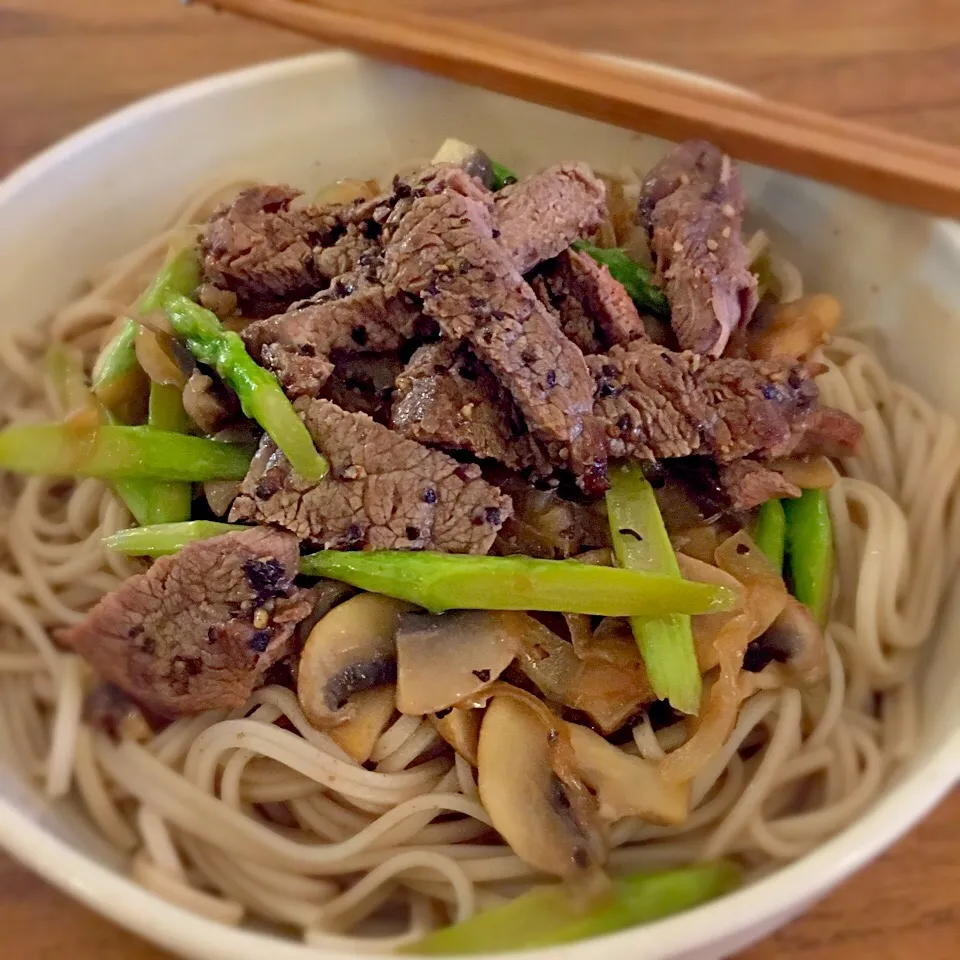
{"x":885,"y":165}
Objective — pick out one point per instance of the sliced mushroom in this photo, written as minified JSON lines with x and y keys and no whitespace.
{"x":797,"y":329}
{"x":627,"y":786}
{"x":350,"y":650}
{"x":460,"y":727}
{"x":794,"y":640}
{"x":472,"y":159}
{"x":808,"y":473}
{"x":208,"y":403}
{"x":550,"y":825}
{"x":445,"y":658}
{"x":372,"y":711}
{"x":608,"y":691}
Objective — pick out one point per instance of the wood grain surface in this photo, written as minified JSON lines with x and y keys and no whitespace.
{"x":896,"y":63}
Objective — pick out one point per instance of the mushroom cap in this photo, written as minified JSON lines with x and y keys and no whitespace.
{"x":443,"y":659}
{"x":350,"y":650}
{"x":530,"y":806}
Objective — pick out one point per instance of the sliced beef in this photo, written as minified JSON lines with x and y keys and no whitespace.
{"x":198,"y":630}
{"x":352,"y":315}
{"x":354,"y":252}
{"x":262,"y":250}
{"x":383,"y":491}
{"x":748,"y":483}
{"x":540,"y":216}
{"x":447,"y":398}
{"x":659,"y":404}
{"x":594,"y":309}
{"x":444,"y":251}
{"x":364,"y":383}
{"x":828,"y":432}
{"x":692,"y":206}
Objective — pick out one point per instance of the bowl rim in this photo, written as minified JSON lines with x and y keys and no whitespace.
{"x":759,"y":906}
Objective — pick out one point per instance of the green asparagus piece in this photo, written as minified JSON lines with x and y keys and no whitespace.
{"x":165,"y":538}
{"x":168,"y":501}
{"x":635,"y":279}
{"x":119,"y":453}
{"x":502,"y":176}
{"x":770,"y":530}
{"x":180,"y":274}
{"x":640,"y":542}
{"x":549,"y":916}
{"x":809,"y":551}
{"x":442,"y":581}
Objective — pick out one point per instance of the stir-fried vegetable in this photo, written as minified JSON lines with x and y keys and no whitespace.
{"x":635,"y":279}
{"x":769,"y":533}
{"x":809,"y":551}
{"x":502,"y":176}
{"x":117,"y":380}
{"x":167,"y":502}
{"x":549,"y":916}
{"x":441,"y":581}
{"x":165,"y":538}
{"x":117,"y":453}
{"x":640,"y":542}
{"x":257,"y":389}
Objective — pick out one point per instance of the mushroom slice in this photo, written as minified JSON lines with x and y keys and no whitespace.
{"x":350,"y":650}
{"x":609,"y":692}
{"x":448,"y":657}
{"x":627,"y":786}
{"x":460,"y":727}
{"x":472,"y":159}
{"x":548,"y":824}
{"x":794,"y":640}
{"x":372,"y":711}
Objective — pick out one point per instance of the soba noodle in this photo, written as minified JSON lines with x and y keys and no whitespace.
{"x":235,"y":816}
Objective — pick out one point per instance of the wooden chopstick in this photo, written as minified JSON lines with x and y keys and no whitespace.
{"x":885,"y":165}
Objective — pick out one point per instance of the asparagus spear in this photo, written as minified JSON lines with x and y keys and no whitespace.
{"x":809,"y":551}
{"x":769,"y":533}
{"x":549,"y":916}
{"x":257,"y":389}
{"x":161,"y":539}
{"x":634,"y":278}
{"x":119,"y":453}
{"x":640,"y":542}
{"x":441,"y":581}
{"x":167,"y":501}
{"x":502,"y":176}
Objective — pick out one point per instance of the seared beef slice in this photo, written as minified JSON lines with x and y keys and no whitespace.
{"x":350,"y":317}
{"x":446,"y":397}
{"x":444,"y":250}
{"x":692,"y":206}
{"x":659,"y":404}
{"x":595,"y":311}
{"x":540,"y":216}
{"x":262,"y":250}
{"x":383,"y":491}
{"x":198,"y":629}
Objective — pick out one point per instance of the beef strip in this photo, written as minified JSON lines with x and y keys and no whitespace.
{"x":198,"y":630}
{"x":383,"y":491}
{"x":447,"y":398}
{"x":444,"y":250}
{"x":692,"y":207}
{"x":262,"y":250}
{"x":351,"y":315}
{"x":540,"y":216}
{"x":659,"y":404}
{"x":364,"y":383}
{"x":594,"y":309}
{"x":748,"y":483}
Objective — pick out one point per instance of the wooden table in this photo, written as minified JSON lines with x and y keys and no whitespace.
{"x":892,"y":62}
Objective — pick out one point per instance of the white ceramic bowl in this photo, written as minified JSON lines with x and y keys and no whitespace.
{"x":313,"y":119}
